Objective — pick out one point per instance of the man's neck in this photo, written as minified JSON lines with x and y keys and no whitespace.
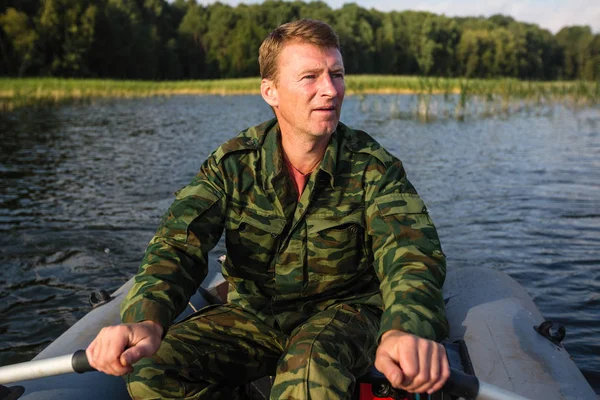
{"x":304,"y":153}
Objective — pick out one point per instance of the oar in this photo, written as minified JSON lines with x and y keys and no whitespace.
{"x":469,"y":387}
{"x":459,"y":383}
{"x":76,"y":362}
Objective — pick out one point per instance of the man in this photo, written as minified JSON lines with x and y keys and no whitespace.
{"x":331,"y":255}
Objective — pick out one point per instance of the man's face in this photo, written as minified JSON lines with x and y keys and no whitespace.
{"x":307,"y":96}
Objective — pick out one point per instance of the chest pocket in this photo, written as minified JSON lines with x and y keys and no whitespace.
{"x":336,"y":245}
{"x":251,"y":239}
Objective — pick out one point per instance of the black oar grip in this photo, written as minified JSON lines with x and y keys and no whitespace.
{"x":462,"y":385}
{"x":80,"y":362}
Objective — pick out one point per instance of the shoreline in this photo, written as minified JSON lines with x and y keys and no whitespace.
{"x":43,"y":92}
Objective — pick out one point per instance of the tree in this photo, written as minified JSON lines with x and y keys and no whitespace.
{"x":127,"y":45}
{"x":591,"y":68}
{"x":174,"y":39}
{"x":356,"y":29}
{"x":475,"y":54}
{"x":245,"y":42}
{"x":221,"y":22}
{"x":192,"y":52}
{"x":19,"y":40}
{"x":436,"y":45}
{"x":574,"y":42}
{"x":505,"y":63}
{"x":385,"y":46}
{"x":66,"y":35}
{"x":317,"y":10}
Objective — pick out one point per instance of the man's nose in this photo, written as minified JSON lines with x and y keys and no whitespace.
{"x":328,"y":86}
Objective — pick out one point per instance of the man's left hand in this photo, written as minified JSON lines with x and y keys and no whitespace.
{"x":412,"y":363}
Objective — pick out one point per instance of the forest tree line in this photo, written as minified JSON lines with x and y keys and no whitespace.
{"x":160,"y":40}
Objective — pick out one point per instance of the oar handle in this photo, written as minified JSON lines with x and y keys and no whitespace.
{"x":462,"y":385}
{"x":80,"y":362}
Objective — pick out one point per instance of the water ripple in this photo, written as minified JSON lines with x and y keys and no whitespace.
{"x":83,"y":189}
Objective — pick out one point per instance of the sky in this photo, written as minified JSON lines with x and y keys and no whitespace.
{"x":549,"y":14}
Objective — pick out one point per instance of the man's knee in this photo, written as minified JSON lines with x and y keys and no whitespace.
{"x":151,"y":379}
{"x":170,"y":373}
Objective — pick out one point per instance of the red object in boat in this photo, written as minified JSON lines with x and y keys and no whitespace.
{"x":365,"y":393}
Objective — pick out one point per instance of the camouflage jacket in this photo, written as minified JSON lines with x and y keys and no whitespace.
{"x":360,"y":234}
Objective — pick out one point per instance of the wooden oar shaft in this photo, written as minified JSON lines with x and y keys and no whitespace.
{"x":76,"y":362}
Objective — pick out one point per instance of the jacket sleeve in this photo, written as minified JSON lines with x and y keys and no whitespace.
{"x":408,"y":258}
{"x":176,"y":260}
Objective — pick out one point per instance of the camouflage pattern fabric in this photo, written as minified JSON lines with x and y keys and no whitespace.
{"x":213,"y":353}
{"x":359,"y":234}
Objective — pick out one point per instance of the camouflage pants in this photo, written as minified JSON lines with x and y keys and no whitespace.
{"x":213,"y":353}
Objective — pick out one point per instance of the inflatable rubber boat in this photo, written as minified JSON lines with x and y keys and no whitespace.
{"x":507,"y":342}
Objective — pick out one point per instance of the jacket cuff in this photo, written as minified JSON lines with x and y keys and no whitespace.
{"x":404,"y":319}
{"x":147,"y":310}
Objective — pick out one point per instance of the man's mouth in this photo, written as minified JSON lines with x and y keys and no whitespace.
{"x":330,"y":108}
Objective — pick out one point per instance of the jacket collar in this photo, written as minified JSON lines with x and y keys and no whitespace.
{"x":272,"y":153}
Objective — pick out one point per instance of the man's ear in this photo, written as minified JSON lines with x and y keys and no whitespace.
{"x":269,"y":93}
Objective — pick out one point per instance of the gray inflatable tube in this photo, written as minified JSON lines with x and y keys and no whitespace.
{"x":491,"y":312}
{"x":495,"y":316}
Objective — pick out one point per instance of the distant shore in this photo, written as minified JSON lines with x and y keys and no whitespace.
{"x":43,"y":92}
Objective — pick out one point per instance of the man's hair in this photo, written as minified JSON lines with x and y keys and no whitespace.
{"x":310,"y":31}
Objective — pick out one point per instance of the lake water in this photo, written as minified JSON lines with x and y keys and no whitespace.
{"x":83,"y":188}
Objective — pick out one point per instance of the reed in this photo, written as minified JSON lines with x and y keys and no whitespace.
{"x":465,"y":96}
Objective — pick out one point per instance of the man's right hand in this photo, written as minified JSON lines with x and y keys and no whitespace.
{"x":117,"y":347}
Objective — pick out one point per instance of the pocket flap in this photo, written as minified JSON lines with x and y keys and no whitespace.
{"x":270,"y":224}
{"x":319,"y":224}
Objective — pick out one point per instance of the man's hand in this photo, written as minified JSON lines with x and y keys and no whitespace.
{"x":117,"y":347}
{"x":412,"y":363}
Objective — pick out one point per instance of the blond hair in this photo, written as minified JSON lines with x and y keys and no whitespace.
{"x":310,"y":31}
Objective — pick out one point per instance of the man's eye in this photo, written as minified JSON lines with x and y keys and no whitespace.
{"x":338,"y":75}
{"x":308,"y":77}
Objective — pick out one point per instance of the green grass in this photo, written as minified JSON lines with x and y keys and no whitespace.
{"x":40,"y":92}
{"x":17,"y":93}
